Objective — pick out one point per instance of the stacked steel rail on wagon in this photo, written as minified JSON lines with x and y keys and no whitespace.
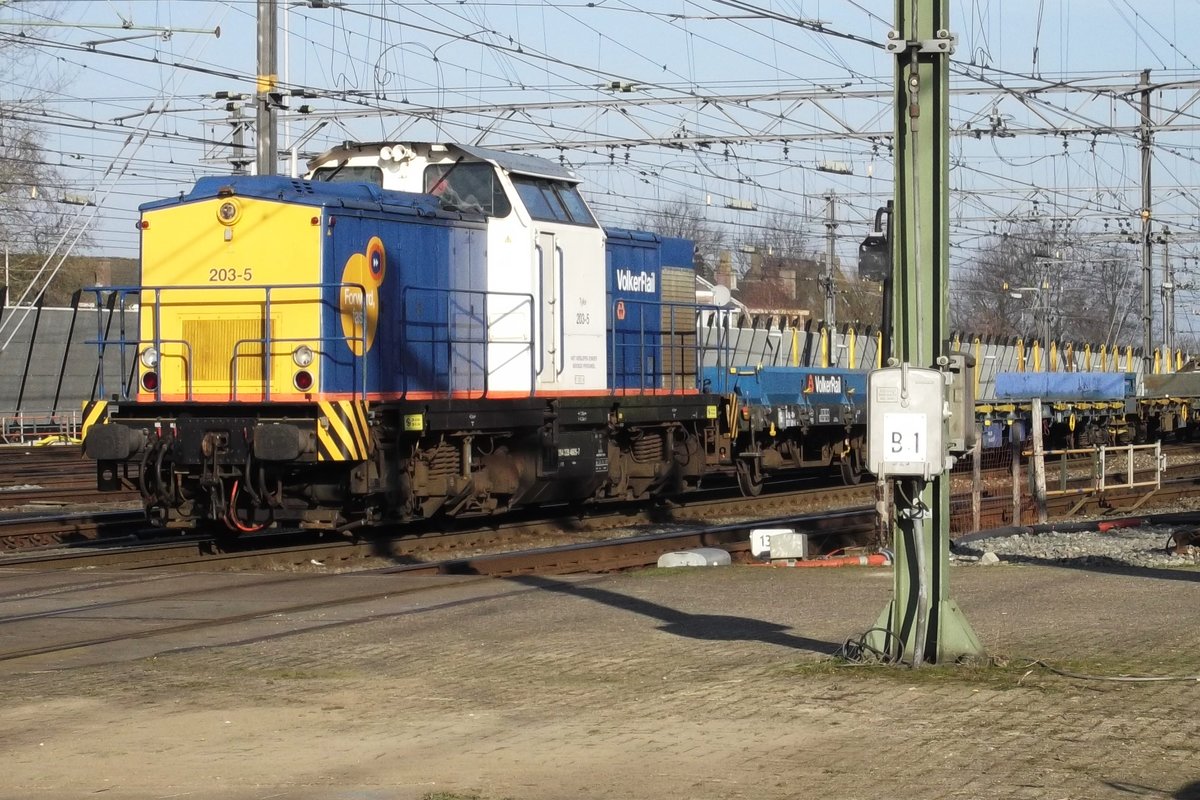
{"x":425,"y":329}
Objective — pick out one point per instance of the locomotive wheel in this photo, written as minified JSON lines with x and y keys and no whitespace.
{"x":749,"y":477}
{"x":851,"y":466}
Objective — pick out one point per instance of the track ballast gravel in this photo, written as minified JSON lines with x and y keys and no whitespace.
{"x":1148,"y":546}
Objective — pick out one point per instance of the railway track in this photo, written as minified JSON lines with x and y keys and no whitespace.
{"x":415,"y":544}
{"x":52,"y":475}
{"x":315,"y":579}
{"x":57,"y":528}
{"x":345,"y":588}
{"x":47,"y":527}
{"x":127,"y":531}
{"x":39,"y":529}
{"x":62,"y":493}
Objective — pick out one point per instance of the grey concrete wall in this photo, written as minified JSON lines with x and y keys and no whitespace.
{"x":45,"y":362}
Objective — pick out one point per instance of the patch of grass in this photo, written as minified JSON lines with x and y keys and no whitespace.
{"x":660,"y":572}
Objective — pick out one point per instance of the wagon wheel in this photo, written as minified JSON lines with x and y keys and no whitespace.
{"x":749,"y":477}
{"x":1141,"y":432}
{"x":851,"y":467}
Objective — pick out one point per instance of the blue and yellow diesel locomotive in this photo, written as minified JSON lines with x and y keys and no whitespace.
{"x":421,"y":329}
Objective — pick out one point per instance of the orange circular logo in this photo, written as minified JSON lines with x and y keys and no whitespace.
{"x":358,"y":298}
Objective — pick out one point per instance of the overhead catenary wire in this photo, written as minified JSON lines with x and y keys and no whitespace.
{"x":493,"y":54}
{"x":75,"y":230}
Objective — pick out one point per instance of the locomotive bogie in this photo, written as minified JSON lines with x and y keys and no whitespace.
{"x":568,"y":451}
{"x":281,"y":465}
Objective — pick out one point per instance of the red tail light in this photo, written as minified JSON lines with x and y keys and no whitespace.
{"x":303,"y":380}
{"x":150,"y":381}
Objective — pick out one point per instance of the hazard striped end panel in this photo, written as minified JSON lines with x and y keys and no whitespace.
{"x":342,"y":431}
{"x":95,"y":412}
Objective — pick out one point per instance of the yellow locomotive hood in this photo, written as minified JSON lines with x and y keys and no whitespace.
{"x":226,"y":277}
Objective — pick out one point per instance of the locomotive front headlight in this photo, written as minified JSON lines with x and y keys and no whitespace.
{"x":302,"y":355}
{"x":149,"y":358}
{"x":228,"y":212}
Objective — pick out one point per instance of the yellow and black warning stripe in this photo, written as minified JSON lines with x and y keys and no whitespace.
{"x":95,"y":412}
{"x":732,"y":409}
{"x":342,"y":431}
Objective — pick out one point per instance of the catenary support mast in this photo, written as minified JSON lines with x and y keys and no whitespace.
{"x":266,"y":120}
{"x":1147,"y":145}
{"x":922,"y":624}
{"x":828,"y":282}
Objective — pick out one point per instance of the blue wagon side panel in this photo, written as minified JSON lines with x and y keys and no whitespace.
{"x":1064,"y":386}
{"x":678,"y":253}
{"x":815,"y":395}
{"x":634,"y":264}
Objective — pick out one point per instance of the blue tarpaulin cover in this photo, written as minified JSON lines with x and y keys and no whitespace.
{"x":1064,"y":385}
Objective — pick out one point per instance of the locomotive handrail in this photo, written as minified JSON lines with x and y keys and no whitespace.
{"x":267,"y":340}
{"x":676,"y":341}
{"x":102,"y":339}
{"x":98,"y":387}
{"x":135,"y":343}
{"x":537,"y":311}
{"x":267,"y":353}
{"x":123,"y":292}
{"x":99,"y":291}
{"x":562,"y":317}
{"x":451,"y":341}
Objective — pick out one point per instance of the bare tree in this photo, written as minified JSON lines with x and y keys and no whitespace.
{"x":32,"y":216}
{"x":1033,"y":282}
{"x":1097,"y":299}
{"x":780,"y":272}
{"x":860,"y":302}
{"x":686,"y":220}
{"x":783,"y":236}
{"x":787,"y":270}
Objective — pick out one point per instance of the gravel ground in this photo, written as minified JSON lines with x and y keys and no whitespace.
{"x":1145,"y":546}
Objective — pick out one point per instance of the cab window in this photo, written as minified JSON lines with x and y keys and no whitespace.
{"x":553,"y":201}
{"x":349,"y":175}
{"x":467,"y":187}
{"x":535,"y":201}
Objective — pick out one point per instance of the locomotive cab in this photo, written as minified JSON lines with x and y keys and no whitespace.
{"x":546,"y":270}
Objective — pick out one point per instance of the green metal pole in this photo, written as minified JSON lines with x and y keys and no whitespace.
{"x":922,"y":623}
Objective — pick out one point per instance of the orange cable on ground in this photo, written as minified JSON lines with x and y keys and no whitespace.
{"x":1132,"y":522}
{"x":872,"y":560}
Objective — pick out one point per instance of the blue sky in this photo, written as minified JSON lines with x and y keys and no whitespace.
{"x":756,"y":103}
